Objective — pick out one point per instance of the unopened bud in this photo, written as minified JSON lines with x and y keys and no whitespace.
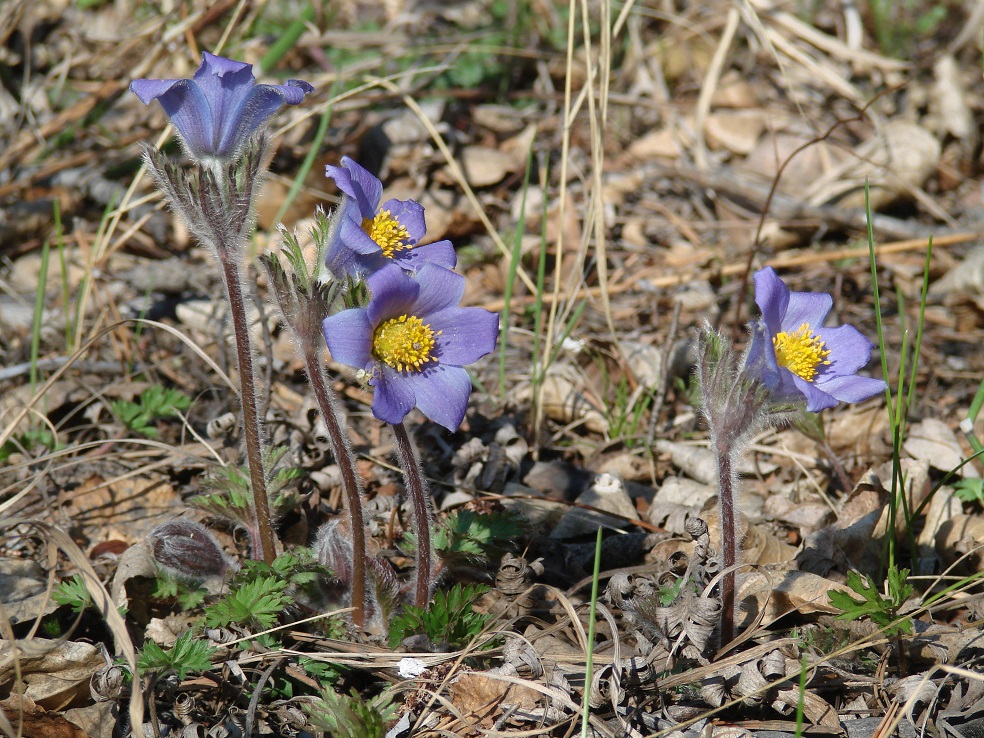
{"x":333,"y":549}
{"x":188,"y":550}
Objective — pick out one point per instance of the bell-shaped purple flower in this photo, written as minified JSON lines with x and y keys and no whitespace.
{"x":412,"y":340}
{"x":221,"y":107}
{"x":795,"y":356}
{"x":373,"y":235}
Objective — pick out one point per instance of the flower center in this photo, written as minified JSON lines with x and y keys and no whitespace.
{"x":387,"y":231}
{"x":801,"y":352}
{"x":405,"y":343}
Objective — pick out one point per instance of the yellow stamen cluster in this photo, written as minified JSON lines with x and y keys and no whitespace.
{"x":404,"y":343}
{"x":801,"y":352}
{"x":387,"y":231}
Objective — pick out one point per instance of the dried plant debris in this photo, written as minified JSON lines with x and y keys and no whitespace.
{"x":606,"y":187}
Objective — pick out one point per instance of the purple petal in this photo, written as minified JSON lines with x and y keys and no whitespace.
{"x":440,"y":289}
{"x":816,"y":398}
{"x":226,"y":84}
{"x":394,"y":396}
{"x":349,"y":337}
{"x":467,"y":334}
{"x":850,"y":350}
{"x":221,"y":107}
{"x":760,"y":356}
{"x":149,"y":90}
{"x":219,"y":66}
{"x":806,"y":307}
{"x":251,"y":112}
{"x":789,"y":386}
{"x":440,"y":253}
{"x":339,"y":258}
{"x":852,"y":388}
{"x":189,"y":111}
{"x":357,"y":239}
{"x":356,"y":182}
{"x":772,"y":297}
{"x":410,"y":215}
{"x":441,"y":393}
{"x":394,"y":293}
{"x":295,"y":90}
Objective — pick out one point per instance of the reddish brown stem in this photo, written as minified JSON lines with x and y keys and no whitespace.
{"x":328,"y":404}
{"x":264,"y":543}
{"x":420,"y":509}
{"x":729,"y":545}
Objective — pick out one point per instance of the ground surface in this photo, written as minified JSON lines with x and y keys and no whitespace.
{"x":611,"y":176}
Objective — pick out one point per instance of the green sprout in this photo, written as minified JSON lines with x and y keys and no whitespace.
{"x":883,"y":611}
{"x":154,"y":403}
{"x":187,"y":655}
{"x":448,"y":619}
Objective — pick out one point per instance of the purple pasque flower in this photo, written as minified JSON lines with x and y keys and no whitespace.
{"x":796,"y":356}
{"x":373,"y":235}
{"x":221,"y":107}
{"x":412,"y":340}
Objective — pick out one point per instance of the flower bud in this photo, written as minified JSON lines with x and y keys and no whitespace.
{"x":187,"y":550}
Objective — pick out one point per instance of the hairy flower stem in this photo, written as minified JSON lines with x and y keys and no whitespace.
{"x":729,"y":543}
{"x":735,"y":404}
{"x":262,"y":538}
{"x":420,"y":509}
{"x":328,"y":404}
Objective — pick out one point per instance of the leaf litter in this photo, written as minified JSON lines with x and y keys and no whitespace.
{"x":697,"y":148}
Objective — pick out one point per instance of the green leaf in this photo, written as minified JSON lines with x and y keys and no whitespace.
{"x":28,"y":441}
{"x":449,"y":618}
{"x":257,"y":602}
{"x":73,"y":592}
{"x":188,"y":654}
{"x":970,"y":490}
{"x":473,"y":536}
{"x":186,"y":597}
{"x":351,"y":716}
{"x":154,"y":403}
{"x":880,"y":610}
{"x":325,"y":672}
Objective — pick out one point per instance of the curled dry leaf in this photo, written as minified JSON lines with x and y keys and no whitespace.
{"x":914,"y":692}
{"x":700,"y":463}
{"x":770,"y":592}
{"x":519,"y":659}
{"x":564,"y":401}
{"x":931,"y":441}
{"x":944,"y":507}
{"x":849,"y":540}
{"x":697,"y":462}
{"x":607,"y":493}
{"x":759,"y":545}
{"x":632,"y":467}
{"x":815,"y":708}
{"x":659,"y":143}
{"x":808,"y":517}
{"x":56,"y":673}
{"x":513,"y":582}
{"x":965,"y":280}
{"x":480,"y":698}
{"x":30,"y":719}
{"x":960,"y":537}
{"x":645,"y":362}
{"x":484,"y":166}
{"x":738,"y":131}
{"x":23,"y":587}
{"x":860,"y":433}
{"x":895,"y":160}
{"x":949,"y":100}
{"x":683,"y":491}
